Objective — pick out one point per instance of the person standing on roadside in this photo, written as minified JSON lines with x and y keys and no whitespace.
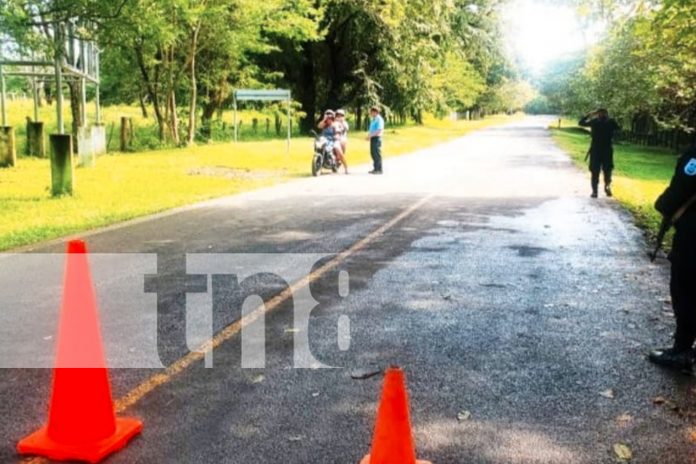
{"x":678,"y":206}
{"x":375,"y":137}
{"x":342,"y":135}
{"x":601,"y":151}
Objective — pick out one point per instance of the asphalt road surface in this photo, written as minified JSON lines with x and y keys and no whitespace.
{"x":480,"y":266}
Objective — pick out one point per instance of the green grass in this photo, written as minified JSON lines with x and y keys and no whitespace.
{"x":124,"y":186}
{"x":640,"y":176}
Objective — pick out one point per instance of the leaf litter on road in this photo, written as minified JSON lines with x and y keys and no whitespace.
{"x":463,"y":415}
{"x":623,"y":452}
{"x":362,"y":373}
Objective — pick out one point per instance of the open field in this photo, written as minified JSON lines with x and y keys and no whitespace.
{"x":124,"y":186}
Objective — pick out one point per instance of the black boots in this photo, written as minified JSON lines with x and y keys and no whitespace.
{"x":681,"y":360}
{"x":607,"y":190}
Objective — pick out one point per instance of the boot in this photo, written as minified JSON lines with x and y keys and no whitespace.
{"x":672,"y":358}
{"x":607,"y":190}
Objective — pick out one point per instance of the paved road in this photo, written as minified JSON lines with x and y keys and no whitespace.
{"x":493,"y":279}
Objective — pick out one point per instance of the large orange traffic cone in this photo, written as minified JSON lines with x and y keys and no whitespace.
{"x":81,"y":421}
{"x":393,"y":439}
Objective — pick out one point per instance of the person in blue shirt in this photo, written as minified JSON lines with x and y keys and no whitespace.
{"x":375,"y":137}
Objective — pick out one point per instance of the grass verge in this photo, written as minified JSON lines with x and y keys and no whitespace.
{"x":124,"y":186}
{"x":641,"y":173}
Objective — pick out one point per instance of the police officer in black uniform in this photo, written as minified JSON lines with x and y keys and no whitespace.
{"x":678,"y":203}
{"x":601,"y":149}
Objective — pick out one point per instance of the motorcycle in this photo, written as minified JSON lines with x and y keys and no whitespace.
{"x":324,"y":156}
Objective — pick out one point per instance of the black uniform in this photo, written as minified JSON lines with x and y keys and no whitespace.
{"x":683,"y":256}
{"x":601,"y":148}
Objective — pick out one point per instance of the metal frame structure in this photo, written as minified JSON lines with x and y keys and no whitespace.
{"x":80,"y":63}
{"x":263,"y":95}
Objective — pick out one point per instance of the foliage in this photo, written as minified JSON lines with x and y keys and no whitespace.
{"x":644,"y":68}
{"x":181,"y":59}
{"x":508,"y":96}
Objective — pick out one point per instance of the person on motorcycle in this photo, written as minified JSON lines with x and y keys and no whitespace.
{"x":342,"y":134}
{"x":329,"y":129}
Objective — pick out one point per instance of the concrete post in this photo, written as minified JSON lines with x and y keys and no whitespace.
{"x":62,"y":170}
{"x":8,"y":151}
{"x":36,"y":145}
{"x":85,"y":147}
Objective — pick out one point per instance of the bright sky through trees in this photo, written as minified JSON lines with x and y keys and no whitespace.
{"x":539,"y":31}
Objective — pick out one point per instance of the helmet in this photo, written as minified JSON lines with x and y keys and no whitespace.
{"x":340,"y":113}
{"x":329,"y":114}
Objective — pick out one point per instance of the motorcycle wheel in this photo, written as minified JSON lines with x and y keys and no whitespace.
{"x":316,"y":165}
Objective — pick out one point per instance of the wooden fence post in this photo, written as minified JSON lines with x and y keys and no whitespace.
{"x":126,"y":134}
{"x":36,"y":145}
{"x":8,"y":149}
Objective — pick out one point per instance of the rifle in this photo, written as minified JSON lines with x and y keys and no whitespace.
{"x":667,"y":224}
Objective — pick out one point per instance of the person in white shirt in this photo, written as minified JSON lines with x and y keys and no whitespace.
{"x":342,"y":135}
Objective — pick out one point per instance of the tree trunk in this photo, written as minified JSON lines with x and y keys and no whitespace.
{"x":194,"y":90}
{"x":75,"y":109}
{"x":173,"y":118}
{"x":171,"y":100}
{"x":308,"y":93}
{"x":151,"y":88}
{"x":143,"y":107}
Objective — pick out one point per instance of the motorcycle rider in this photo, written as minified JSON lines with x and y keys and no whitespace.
{"x":329,"y":128}
{"x":342,"y":134}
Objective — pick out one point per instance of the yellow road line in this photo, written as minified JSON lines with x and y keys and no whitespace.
{"x":137,"y":393}
{"x":147,"y":386}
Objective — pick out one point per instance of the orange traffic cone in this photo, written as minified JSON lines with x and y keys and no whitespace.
{"x":81,"y":421}
{"x":393,"y":439}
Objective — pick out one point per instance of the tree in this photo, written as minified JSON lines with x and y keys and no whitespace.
{"x":644,"y":68}
{"x":47,"y":28}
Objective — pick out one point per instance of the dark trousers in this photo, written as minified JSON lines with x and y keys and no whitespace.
{"x":376,"y":153}
{"x":601,"y":163}
{"x":683,"y":286}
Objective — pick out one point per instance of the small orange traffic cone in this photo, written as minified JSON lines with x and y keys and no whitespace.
{"x":81,"y":425}
{"x":393,"y":439}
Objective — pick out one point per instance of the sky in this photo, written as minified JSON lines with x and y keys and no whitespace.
{"x":540,"y":31}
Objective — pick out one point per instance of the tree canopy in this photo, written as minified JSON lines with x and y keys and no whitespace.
{"x":181,"y":59}
{"x":645,"y":67}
